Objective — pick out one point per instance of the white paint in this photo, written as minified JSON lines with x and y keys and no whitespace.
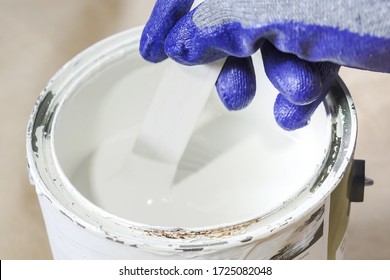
{"x":236,"y":165}
{"x":146,"y":162}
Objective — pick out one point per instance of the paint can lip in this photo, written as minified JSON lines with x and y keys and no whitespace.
{"x":45,"y":170}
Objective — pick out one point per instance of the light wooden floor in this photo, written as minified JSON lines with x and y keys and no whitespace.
{"x":38,"y":37}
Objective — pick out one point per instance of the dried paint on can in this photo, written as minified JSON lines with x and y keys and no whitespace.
{"x":97,"y":101}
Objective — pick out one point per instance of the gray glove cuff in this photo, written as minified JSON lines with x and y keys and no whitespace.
{"x":363,"y":17}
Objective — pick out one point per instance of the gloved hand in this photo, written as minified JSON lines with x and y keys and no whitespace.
{"x":303,"y":44}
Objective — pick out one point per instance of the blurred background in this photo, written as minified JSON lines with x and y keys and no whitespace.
{"x":38,"y":36}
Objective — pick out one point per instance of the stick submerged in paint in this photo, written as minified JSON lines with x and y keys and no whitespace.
{"x":149,"y":168}
{"x":174,"y":111}
{"x":169,"y":123}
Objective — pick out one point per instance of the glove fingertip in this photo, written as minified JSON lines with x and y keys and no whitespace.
{"x":290,"y":116}
{"x":165,"y":14}
{"x":236,"y":84}
{"x":181,"y":44}
{"x":151,"y":48}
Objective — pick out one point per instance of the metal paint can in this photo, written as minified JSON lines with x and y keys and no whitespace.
{"x":310,"y":224}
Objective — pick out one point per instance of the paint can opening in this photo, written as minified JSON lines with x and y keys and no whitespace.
{"x":237,"y":165}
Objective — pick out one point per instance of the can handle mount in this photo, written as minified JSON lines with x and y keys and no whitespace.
{"x":359,"y":181}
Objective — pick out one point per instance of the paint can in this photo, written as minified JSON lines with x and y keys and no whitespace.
{"x":106,"y":89}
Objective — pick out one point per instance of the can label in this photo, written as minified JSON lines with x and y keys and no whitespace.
{"x":305,"y":239}
{"x":317,"y":247}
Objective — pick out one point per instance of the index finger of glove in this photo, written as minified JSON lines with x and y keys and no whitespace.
{"x":164,"y":16}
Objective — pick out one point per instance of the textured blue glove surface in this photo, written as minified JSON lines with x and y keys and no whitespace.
{"x":303,"y":44}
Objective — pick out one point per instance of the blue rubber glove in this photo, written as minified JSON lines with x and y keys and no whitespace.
{"x":303,"y":44}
